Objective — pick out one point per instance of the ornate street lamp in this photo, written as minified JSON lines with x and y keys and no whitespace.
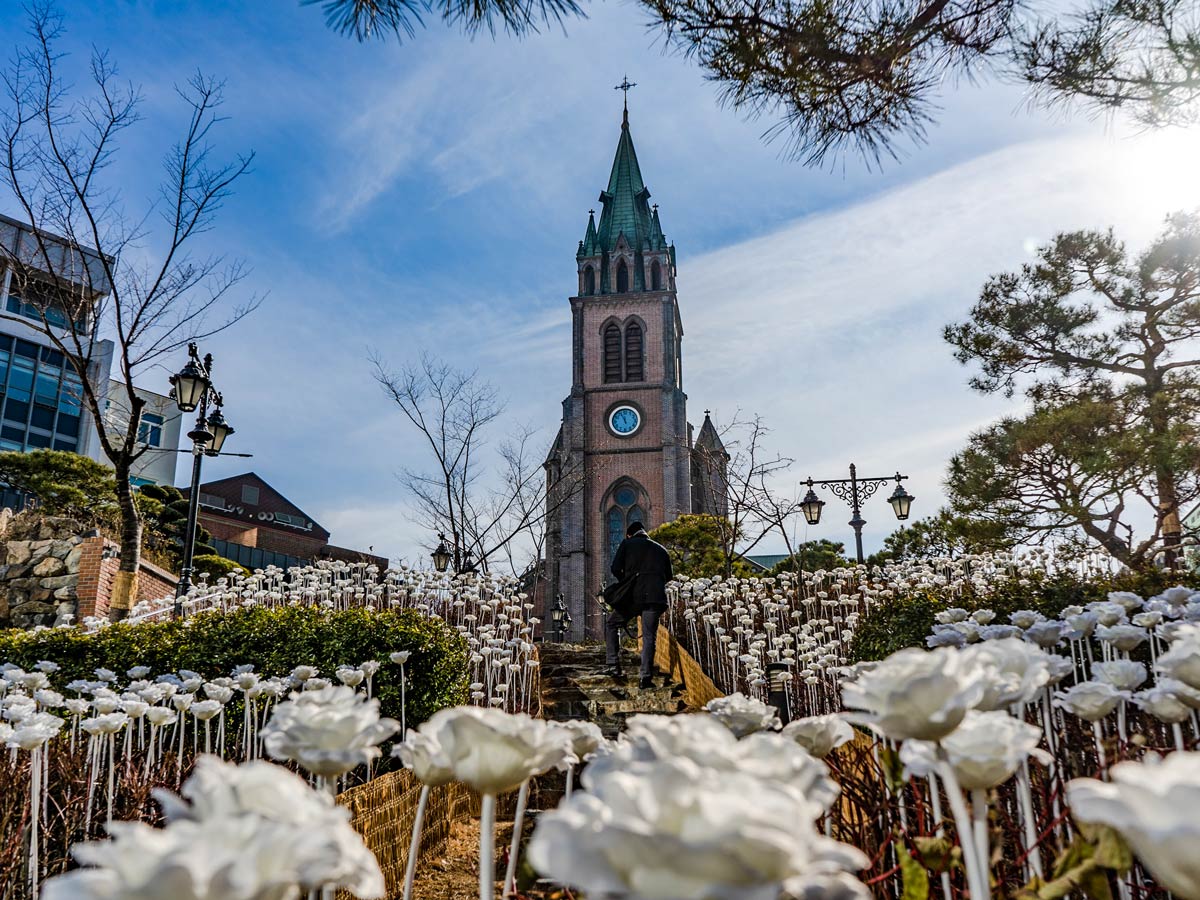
{"x":192,"y":390}
{"x":560,"y":618}
{"x":856,"y":491}
{"x":811,"y":506}
{"x":220,"y":430}
{"x":191,"y":384}
{"x":901,"y":501}
{"x":441,"y":555}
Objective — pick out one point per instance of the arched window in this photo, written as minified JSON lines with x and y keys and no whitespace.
{"x":612,"y":353}
{"x":655,"y":276}
{"x":633,"y":352}
{"x":589,"y":281}
{"x":623,"y":512}
{"x":622,"y":277}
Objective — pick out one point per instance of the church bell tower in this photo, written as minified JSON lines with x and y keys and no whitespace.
{"x":623,"y":452}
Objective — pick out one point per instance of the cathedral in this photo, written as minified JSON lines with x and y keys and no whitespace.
{"x":625,"y":451}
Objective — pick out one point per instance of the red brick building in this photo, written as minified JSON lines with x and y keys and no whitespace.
{"x":625,"y":450}
{"x":245,"y":511}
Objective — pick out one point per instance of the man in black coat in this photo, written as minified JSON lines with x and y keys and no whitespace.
{"x":649,"y":563}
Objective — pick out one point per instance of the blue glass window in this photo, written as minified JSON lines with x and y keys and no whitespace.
{"x":65,"y":444}
{"x":150,"y":430}
{"x":616,"y":530}
{"x":40,"y":441}
{"x":68,"y":424}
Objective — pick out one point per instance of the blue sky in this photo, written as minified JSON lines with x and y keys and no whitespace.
{"x":430,"y":195}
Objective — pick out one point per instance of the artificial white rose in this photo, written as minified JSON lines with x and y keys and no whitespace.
{"x":1123,"y":674}
{"x":916,"y":693}
{"x":1163,"y":704}
{"x":1182,"y":660}
{"x":33,"y":731}
{"x":1184,"y":692}
{"x":826,"y":886}
{"x":819,"y":735}
{"x":109,"y":723}
{"x":233,"y":859}
{"x":1014,"y":672}
{"x":671,"y":830}
{"x":494,"y":751}
{"x":206,"y":709}
{"x":988,"y":747}
{"x":1090,"y":700}
{"x":1152,"y":804}
{"x":1125,"y":638}
{"x":161,"y":715}
{"x":219,"y":791}
{"x":327,"y":731}
{"x":585,"y":737}
{"x":743,"y":715}
{"x":422,"y":754}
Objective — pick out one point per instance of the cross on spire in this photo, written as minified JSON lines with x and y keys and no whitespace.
{"x":625,"y":86}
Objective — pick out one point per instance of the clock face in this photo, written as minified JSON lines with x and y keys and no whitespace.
{"x":624,"y":420}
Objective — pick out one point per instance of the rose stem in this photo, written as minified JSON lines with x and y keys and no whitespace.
{"x":410,"y":868}
{"x":515,"y":847}
{"x":487,"y":861}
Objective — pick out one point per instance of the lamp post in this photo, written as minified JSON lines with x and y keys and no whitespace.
{"x":193,"y":391}
{"x":777,"y":686}
{"x":856,"y":491}
{"x":561,"y":618}
{"x":443,"y":556}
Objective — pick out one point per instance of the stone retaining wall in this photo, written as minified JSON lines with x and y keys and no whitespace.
{"x":52,"y":572}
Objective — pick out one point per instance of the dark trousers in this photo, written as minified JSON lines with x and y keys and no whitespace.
{"x":612,"y":638}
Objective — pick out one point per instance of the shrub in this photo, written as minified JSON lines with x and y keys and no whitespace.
{"x":215,"y":567}
{"x":908,"y":620}
{"x":274,"y":641}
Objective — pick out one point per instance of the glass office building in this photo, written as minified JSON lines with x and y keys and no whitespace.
{"x":41,"y":396}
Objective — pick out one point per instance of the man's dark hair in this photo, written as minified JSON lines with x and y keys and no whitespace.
{"x":634,"y":528}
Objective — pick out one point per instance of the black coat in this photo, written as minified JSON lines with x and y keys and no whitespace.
{"x":651,"y":562}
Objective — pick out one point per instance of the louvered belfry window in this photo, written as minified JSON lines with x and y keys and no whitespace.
{"x":612,"y":354}
{"x":622,"y":277}
{"x":633,"y":352}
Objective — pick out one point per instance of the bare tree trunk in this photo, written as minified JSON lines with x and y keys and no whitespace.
{"x":125,"y":587}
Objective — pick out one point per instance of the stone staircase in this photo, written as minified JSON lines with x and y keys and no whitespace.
{"x":574,"y":687}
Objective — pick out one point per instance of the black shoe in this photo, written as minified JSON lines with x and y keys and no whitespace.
{"x":614,"y":672}
{"x":646,"y":682}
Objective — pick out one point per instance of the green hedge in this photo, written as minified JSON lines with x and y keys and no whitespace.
{"x":274,"y":641}
{"x":907,"y":621}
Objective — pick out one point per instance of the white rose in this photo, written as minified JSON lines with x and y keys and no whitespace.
{"x":743,"y":715}
{"x":819,"y":735}
{"x":1123,"y":674}
{"x":671,"y":830}
{"x":424,"y":756}
{"x":1014,"y":671}
{"x":327,"y":731}
{"x":988,"y":747}
{"x":916,"y":693}
{"x":1090,"y":700}
{"x":494,"y":751}
{"x":1152,"y":805}
{"x":1182,"y":660}
{"x":1162,"y":704}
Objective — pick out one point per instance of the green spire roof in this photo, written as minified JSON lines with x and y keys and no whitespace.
{"x":626,"y":208}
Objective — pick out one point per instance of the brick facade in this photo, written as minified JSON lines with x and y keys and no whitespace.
{"x":590,"y":464}
{"x":98,"y":565}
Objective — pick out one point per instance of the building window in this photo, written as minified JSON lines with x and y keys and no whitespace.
{"x":589,"y":281}
{"x":250,"y":494}
{"x":622,"y":277}
{"x":624,"y":511}
{"x":655,"y":276}
{"x":212,"y":500}
{"x":612,"y":353}
{"x":150,"y":430}
{"x":140,"y":482}
{"x":633,"y":352}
